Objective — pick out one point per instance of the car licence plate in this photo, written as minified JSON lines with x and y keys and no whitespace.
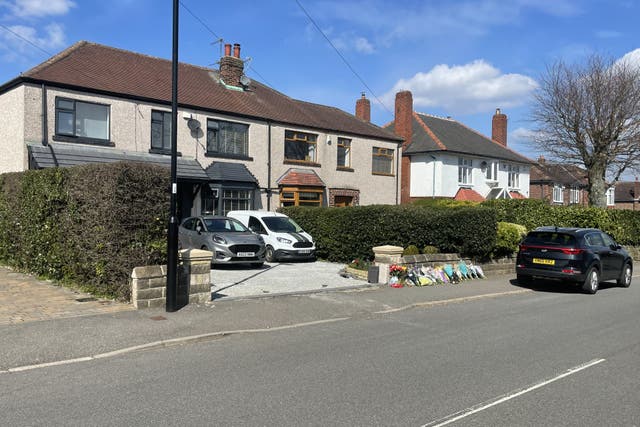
{"x":246,"y":254}
{"x":305,"y":251}
{"x":544,"y":261}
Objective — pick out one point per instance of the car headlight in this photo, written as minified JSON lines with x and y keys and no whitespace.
{"x":283,"y":240}
{"x":219,"y":239}
{"x":260,"y":239}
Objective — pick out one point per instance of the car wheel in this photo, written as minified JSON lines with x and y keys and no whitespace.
{"x":523,"y":279}
{"x":269,"y":255}
{"x":625,"y":277}
{"x":592,"y":281}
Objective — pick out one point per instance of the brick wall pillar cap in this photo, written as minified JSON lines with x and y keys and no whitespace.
{"x":388,"y":250}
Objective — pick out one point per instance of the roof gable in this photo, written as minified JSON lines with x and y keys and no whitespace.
{"x":431,"y":133}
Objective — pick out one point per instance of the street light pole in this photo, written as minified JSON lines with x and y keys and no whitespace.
{"x":172,"y":236}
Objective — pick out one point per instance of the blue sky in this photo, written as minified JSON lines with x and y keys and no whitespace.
{"x":461,"y":59}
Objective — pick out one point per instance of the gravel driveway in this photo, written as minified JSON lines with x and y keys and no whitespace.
{"x":277,"y":278}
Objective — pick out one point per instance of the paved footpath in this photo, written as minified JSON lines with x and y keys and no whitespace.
{"x":24,"y":298}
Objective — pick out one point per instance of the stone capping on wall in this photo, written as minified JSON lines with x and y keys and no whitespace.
{"x":148,"y":283}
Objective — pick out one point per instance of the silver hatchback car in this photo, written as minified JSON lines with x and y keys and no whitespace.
{"x":229,"y":240}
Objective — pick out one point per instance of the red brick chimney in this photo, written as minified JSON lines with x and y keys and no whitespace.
{"x":363,"y":108}
{"x":231,"y":67}
{"x":499,"y":127}
{"x":404,"y":128}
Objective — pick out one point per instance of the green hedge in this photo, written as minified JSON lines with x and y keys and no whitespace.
{"x":343,"y":234}
{"x":623,"y":225}
{"x":88,"y":225}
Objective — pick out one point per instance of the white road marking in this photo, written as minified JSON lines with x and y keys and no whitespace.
{"x":475,"y":409}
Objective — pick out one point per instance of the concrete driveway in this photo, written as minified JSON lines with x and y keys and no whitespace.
{"x":238,"y":281}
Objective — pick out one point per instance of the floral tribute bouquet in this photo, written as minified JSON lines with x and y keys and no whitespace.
{"x":398,"y":273}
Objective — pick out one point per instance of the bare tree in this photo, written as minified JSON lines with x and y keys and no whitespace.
{"x":589,"y":115}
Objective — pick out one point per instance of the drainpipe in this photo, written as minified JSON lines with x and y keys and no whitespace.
{"x":269,"y":167}
{"x":398,"y":172}
{"x":45,"y":136}
{"x":433,"y":180}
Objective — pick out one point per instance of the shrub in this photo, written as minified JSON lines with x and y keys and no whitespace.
{"x":411,"y":250}
{"x":508,"y":238}
{"x":87,"y":225}
{"x":429,"y":249}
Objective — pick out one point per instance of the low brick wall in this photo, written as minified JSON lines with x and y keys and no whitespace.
{"x":149,"y":283}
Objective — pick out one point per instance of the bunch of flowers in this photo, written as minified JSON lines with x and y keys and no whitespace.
{"x":399,"y":271}
{"x":398,"y":274}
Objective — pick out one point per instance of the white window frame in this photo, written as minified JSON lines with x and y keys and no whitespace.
{"x":491,"y":173}
{"x":465,"y":171}
{"x":574,"y":195}
{"x":611,"y":191}
{"x":558,"y":193}
{"x":514,"y":177}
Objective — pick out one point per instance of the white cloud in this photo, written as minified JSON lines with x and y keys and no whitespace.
{"x":52,"y":37}
{"x":462,"y":89}
{"x":40,"y":8}
{"x":632,"y":58}
{"x":363,"y":45}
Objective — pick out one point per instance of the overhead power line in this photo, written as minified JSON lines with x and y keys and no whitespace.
{"x":342,"y":57}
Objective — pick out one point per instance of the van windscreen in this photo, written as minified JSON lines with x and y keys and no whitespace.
{"x":281,"y":224}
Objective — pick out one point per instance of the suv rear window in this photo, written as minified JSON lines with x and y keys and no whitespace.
{"x":549,"y":238}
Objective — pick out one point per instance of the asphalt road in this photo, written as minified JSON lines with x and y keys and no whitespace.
{"x":544,"y":358}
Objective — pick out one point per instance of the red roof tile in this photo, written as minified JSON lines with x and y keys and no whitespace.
{"x":469,"y":195}
{"x":301,"y":177}
{"x":516,"y":195}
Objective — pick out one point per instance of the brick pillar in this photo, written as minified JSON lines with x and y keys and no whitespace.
{"x":404,"y":128}
{"x":499,"y":127}
{"x":363,"y":108}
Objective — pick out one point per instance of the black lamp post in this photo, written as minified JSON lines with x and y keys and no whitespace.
{"x":172,"y":236}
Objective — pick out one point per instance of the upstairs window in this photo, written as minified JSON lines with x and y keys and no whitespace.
{"x":82,"y":119}
{"x":300,"y":146}
{"x":514,"y":176}
{"x":227,"y":139}
{"x":382,"y":161}
{"x":558,"y":193}
{"x":492,"y":171}
{"x":161,"y":130}
{"x":344,"y":153}
{"x":465,"y":171}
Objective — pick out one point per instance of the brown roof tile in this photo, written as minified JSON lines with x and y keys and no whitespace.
{"x":105,"y":69}
{"x":467,"y":194}
{"x":301,"y":177}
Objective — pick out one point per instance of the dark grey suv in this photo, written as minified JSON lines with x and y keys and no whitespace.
{"x":587,"y":256}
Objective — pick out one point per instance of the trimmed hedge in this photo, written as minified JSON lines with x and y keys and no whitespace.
{"x":87,"y":225}
{"x":623,"y":225}
{"x":342,"y":234}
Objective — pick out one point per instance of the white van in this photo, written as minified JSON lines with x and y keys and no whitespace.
{"x":283,"y":237}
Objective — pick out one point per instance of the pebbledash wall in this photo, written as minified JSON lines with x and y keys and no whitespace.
{"x":130,"y":130}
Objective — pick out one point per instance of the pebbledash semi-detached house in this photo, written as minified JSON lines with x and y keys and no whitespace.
{"x":442,"y":158}
{"x":241,"y":144}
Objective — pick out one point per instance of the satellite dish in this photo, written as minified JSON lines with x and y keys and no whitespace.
{"x":193,"y":124}
{"x":246,"y":81}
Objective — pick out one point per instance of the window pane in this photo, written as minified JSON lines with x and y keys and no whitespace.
{"x":156,"y":134}
{"x":65,"y":123}
{"x":65,"y":104}
{"x":92,"y":120}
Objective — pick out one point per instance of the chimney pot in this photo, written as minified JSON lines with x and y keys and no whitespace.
{"x":227,"y":49}
{"x":236,"y":50}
